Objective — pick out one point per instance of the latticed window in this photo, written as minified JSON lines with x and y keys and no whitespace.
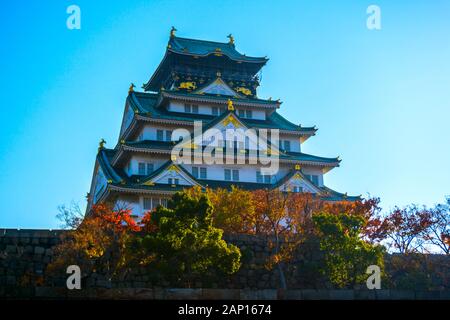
{"x":141,"y":169}
{"x":203,"y":173}
{"x":259,"y":177}
{"x":195,"y":172}
{"x":287,"y":145}
{"x":227,"y":173}
{"x":148,"y":204}
{"x":168,"y":135}
{"x":235,"y":175}
{"x":160,"y":135}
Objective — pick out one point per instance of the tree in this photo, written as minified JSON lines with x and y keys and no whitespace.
{"x":184,"y":245}
{"x":405,"y":228}
{"x":346,"y":254}
{"x":439,"y":229}
{"x":70,"y":216}
{"x":277,"y":218}
{"x":234,"y":210}
{"x":97,"y":244}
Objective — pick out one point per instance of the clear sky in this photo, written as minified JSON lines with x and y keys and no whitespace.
{"x":380,"y":98}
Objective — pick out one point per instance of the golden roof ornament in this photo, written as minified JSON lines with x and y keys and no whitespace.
{"x":218,"y":74}
{"x":101,"y":144}
{"x":131,"y":89}
{"x":230,"y":36}
{"x":297,"y":167}
{"x":172,"y":32}
{"x":230,"y":105}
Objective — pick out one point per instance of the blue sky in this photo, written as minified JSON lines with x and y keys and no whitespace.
{"x":381,"y":99}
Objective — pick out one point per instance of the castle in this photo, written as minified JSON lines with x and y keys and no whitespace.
{"x":204,"y":86}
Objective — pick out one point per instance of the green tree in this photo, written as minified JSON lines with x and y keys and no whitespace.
{"x":346,"y":254}
{"x":184,"y":245}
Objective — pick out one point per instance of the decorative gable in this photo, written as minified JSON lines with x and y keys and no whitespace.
{"x":168,"y":176}
{"x":298,"y":183}
{"x":218,"y":86}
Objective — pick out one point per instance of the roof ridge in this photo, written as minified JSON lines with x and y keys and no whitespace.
{"x":200,"y":40}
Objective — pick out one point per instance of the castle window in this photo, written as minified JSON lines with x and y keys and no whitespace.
{"x":160,"y":135}
{"x":194,"y":108}
{"x":168,"y":135}
{"x":187,"y":108}
{"x":267,"y":178}
{"x":259,"y":177}
{"x":203,"y":173}
{"x":141,"y":168}
{"x":150,"y":168}
{"x":148,"y":204}
{"x":287,"y":145}
{"x":227,"y":173}
{"x":315,"y":179}
{"x":235,"y":175}
{"x":248,"y":114}
{"x":241,"y":113}
{"x":195,"y":172}
{"x":215,"y":111}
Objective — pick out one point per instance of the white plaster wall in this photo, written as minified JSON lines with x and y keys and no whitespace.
{"x":314,"y":171}
{"x":136,"y":159}
{"x":247,"y":173}
{"x":129,"y":202}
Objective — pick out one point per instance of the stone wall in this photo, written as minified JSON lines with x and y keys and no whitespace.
{"x":24,"y":255}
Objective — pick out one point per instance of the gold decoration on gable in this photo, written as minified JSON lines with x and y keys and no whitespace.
{"x":189,"y":85}
{"x":243,"y":90}
{"x":232,"y":120}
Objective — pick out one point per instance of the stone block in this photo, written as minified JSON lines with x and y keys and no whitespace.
{"x":402,"y":295}
{"x":144,"y":293}
{"x":311,"y":294}
{"x":383,"y":294}
{"x":220,"y":294}
{"x":183,"y":294}
{"x":365,"y":294}
{"x":11,"y":249}
{"x":293,"y":294}
{"x":427,"y":295}
{"x":341,"y":294}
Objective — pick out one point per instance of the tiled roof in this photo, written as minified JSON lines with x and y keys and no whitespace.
{"x":145,"y":104}
{"x":122,"y":182}
{"x":197,"y":47}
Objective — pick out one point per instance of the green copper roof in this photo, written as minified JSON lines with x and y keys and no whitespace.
{"x":307,"y":157}
{"x":203,"y":48}
{"x":145,"y":104}
{"x":118,"y":178}
{"x":220,"y":98}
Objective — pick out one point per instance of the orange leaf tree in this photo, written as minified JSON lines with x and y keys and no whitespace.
{"x":97,"y":244}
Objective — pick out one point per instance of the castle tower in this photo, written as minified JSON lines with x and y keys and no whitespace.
{"x":214,"y":87}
